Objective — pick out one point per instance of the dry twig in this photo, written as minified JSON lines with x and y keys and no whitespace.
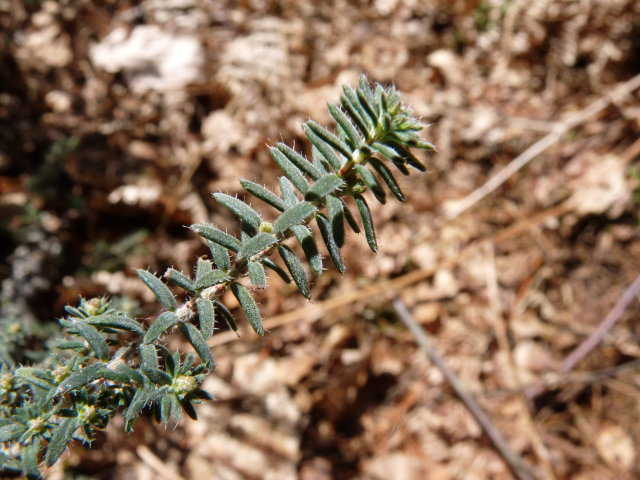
{"x":607,"y":323}
{"x":561,"y":128}
{"x":514,"y":462}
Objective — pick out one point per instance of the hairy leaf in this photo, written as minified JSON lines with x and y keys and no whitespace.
{"x":267,"y":262}
{"x":93,"y":337}
{"x":309,"y":247}
{"x":220,"y":256}
{"x":288,"y":191}
{"x":263,"y":194}
{"x":388,"y":178}
{"x":299,"y":161}
{"x":148,"y":355}
{"x":323,"y":148}
{"x":159,"y":289}
{"x":296,"y":269}
{"x":327,"y":235}
{"x":346,"y":124}
{"x":157,"y":376}
{"x":206,"y":317}
{"x":256,"y":244}
{"x":352,"y":105}
{"x":217,"y":236}
{"x":372,"y":182}
{"x":227,"y":316}
{"x":249,"y":307}
{"x":181,"y":280}
{"x":291,"y":171}
{"x":119,"y":322}
{"x":212,"y":278}
{"x":367,"y":222}
{"x":257,"y":275}
{"x":247,"y":215}
{"x":329,"y":138}
{"x":323,"y":187}
{"x":158,"y":328}
{"x":293,"y":216}
{"x":195,"y":338}
{"x":335,"y":214}
{"x":81,"y":378}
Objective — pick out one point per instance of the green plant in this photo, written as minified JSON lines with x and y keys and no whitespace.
{"x":108,"y":362}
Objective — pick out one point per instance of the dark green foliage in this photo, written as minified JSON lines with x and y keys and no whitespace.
{"x":293,"y":216}
{"x":295,"y":269}
{"x":159,"y":289}
{"x":257,"y":274}
{"x":109,"y":363}
{"x":249,"y":307}
{"x":256,"y":244}
{"x":263,"y":194}
{"x":367,"y":222}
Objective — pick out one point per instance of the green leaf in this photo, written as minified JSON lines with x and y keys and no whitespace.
{"x":257,"y":275}
{"x":256,"y":244}
{"x":159,"y":289}
{"x":323,"y":187}
{"x":335,"y":214}
{"x":11,"y":432}
{"x":309,"y":247}
{"x":181,"y":280}
{"x":392,"y":155}
{"x":249,"y":307}
{"x":367,"y":222}
{"x":388,"y":178}
{"x":36,"y":377}
{"x":296,"y":269}
{"x":82,"y":377}
{"x":217,"y":236}
{"x":291,"y":171}
{"x":366,"y":106}
{"x":333,"y":249}
{"x":160,"y":326}
{"x":408,"y":157}
{"x":203,"y":267}
{"x":195,"y":338}
{"x":295,"y":215}
{"x":352,"y":105}
{"x":94,"y":338}
{"x":132,"y":374}
{"x":320,"y":162}
{"x":30,"y":459}
{"x":148,"y":355}
{"x":372,"y":182}
{"x":142,"y":397}
{"x":346,"y":124}
{"x":299,"y":161}
{"x":263,"y":194}
{"x":329,"y":138}
{"x":348,"y":216}
{"x":74,"y":311}
{"x":323,"y":148}
{"x":227,"y":316}
{"x":157,"y":376}
{"x":119,"y":322}
{"x":288,"y":192}
{"x":62,"y":435}
{"x":206,"y":317}
{"x":220,"y":256}
{"x":247,"y":215}
{"x":276,"y":268}
{"x":189,"y":409}
{"x":214,"y":277}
